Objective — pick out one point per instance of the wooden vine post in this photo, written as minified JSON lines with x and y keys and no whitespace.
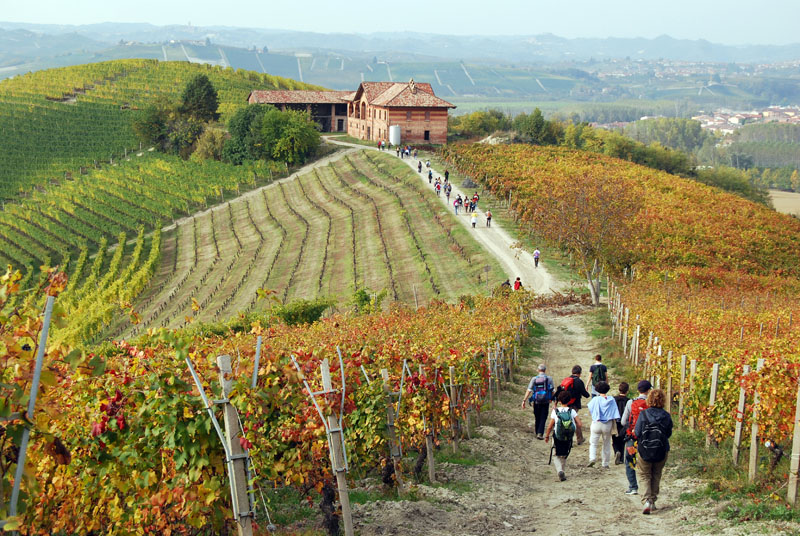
{"x":753,"y":461}
{"x":335,"y":434}
{"x":794,"y":464}
{"x":669,"y":382}
{"x":681,"y":396}
{"x":737,"y":435}
{"x":429,"y":445}
{"x":391,"y":416}
{"x":453,"y":418}
{"x":692,"y":372}
{"x":712,"y":397}
{"x":239,"y":458}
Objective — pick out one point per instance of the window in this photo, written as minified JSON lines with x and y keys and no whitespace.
{"x":427,"y":115}
{"x":408,"y":116}
{"x":427,"y":135}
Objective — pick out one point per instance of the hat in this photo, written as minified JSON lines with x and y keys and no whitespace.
{"x":644,"y":386}
{"x":542,"y":367}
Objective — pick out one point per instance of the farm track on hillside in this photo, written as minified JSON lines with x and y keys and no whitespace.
{"x":351,"y":223}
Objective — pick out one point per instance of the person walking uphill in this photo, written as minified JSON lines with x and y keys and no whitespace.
{"x":563,"y":426}
{"x":604,"y":413}
{"x":618,"y":439}
{"x":653,"y":430}
{"x":474,"y":220}
{"x":597,"y":373}
{"x":539,"y":393}
{"x":629,"y":417}
{"x":574,"y":386}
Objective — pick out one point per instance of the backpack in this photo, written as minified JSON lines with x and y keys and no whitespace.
{"x":652,"y":444}
{"x":637,"y":406}
{"x":565,"y":425}
{"x":541,"y":394}
{"x":599,"y":374}
{"x":568,"y":385}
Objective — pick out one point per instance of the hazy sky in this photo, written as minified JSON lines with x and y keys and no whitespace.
{"x":721,"y":21}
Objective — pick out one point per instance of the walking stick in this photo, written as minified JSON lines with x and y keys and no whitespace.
{"x":552,"y":448}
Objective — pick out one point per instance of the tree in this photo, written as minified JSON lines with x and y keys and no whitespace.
{"x":288,"y":136}
{"x":591,"y":216}
{"x":210,"y":145}
{"x":151,"y":126}
{"x":794,"y":181}
{"x":199,"y":99}
{"x":245,"y":135}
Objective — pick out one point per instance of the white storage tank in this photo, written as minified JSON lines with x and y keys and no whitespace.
{"x":394,"y":135}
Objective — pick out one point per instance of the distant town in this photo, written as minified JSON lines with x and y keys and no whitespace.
{"x":725,"y":121}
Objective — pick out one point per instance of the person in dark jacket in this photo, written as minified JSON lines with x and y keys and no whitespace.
{"x":618,"y":441}
{"x":650,"y":472}
{"x":578,"y":390}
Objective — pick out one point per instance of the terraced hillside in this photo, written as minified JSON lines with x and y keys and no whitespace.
{"x":363,"y":220}
{"x":56,"y":121}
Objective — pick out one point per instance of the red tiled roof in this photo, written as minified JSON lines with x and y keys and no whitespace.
{"x":300,"y":97}
{"x":396,"y":94}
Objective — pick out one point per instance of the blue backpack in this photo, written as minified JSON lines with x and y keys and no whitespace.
{"x":541,"y":390}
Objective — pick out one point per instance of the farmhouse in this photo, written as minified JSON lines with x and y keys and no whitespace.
{"x":419,"y":115}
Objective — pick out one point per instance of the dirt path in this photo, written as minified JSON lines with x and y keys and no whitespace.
{"x":515,"y":491}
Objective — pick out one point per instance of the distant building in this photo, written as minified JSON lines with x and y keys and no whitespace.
{"x":368,"y":113}
{"x":328,"y":108}
{"x":421,"y":115}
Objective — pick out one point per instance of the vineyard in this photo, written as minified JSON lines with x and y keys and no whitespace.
{"x":77,"y":218}
{"x":131,"y":449}
{"x":57,"y":121}
{"x":363,"y":221}
{"x":705,"y":300}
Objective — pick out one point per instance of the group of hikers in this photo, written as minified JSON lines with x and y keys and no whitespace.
{"x":637,"y":429}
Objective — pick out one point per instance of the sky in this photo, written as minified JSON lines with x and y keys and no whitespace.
{"x":720,"y":21}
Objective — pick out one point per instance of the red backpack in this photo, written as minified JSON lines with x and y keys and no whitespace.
{"x":637,"y":406}
{"x":568,"y":384}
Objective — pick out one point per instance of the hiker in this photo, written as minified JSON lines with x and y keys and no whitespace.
{"x":457,"y":204}
{"x":474,"y":220}
{"x":505,"y":285}
{"x":446,"y":175}
{"x":415,"y":152}
{"x":604,"y":413}
{"x":438,"y":188}
{"x":430,"y":176}
{"x":419,"y":166}
{"x":629,"y":417}
{"x":428,"y":164}
{"x":447,"y":190}
{"x":536,"y":254}
{"x":563,"y":425}
{"x":618,"y":439}
{"x":653,"y":430}
{"x":488,"y":218}
{"x":517,"y":284}
{"x":597,"y":373}
{"x":398,"y":151}
{"x":539,"y":394}
{"x":575,"y":387}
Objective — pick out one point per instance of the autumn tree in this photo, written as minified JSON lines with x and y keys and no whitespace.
{"x":591,"y":216}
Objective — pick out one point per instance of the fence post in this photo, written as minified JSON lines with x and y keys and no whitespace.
{"x":255,"y":363}
{"x":712,"y":397}
{"x":391,"y":415}
{"x":669,"y":382}
{"x":337,"y":453}
{"x":26,"y":432}
{"x":241,"y":505}
{"x":692,"y":372}
{"x":737,"y":436}
{"x":794,"y":464}
{"x":753,"y":462}
{"x":683,"y":387}
{"x":429,"y":444}
{"x":453,"y":418}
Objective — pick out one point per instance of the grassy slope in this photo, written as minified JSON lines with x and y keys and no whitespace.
{"x":284,"y":244}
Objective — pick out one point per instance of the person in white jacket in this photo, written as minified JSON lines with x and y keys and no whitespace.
{"x":605,"y":413}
